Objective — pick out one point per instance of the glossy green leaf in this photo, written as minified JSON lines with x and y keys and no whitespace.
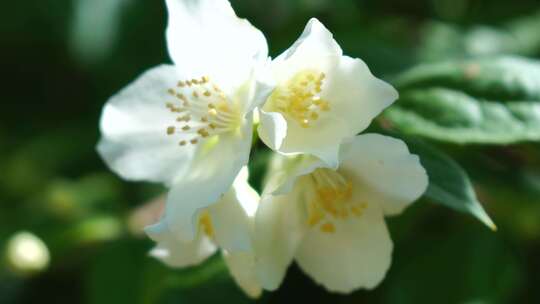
{"x":449,"y":184}
{"x":493,"y":101}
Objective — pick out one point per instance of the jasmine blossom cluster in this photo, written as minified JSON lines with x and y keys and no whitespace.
{"x":189,"y":125}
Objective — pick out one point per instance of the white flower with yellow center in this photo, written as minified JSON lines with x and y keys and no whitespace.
{"x":189,"y":125}
{"x":227,"y":225}
{"x":321,"y":97}
{"x":331,"y":221}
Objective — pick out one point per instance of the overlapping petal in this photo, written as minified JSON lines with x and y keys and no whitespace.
{"x":242,"y":268}
{"x":206,"y":38}
{"x":208,"y":179}
{"x":179,"y":254}
{"x":232,"y":216}
{"x":357,"y":96}
{"x":226,"y":225}
{"x":279,"y":229}
{"x":385,"y":171}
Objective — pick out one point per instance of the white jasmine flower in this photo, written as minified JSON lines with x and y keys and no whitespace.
{"x":332,"y":221}
{"x":226,"y":226}
{"x":321,"y":97}
{"x":189,"y":125}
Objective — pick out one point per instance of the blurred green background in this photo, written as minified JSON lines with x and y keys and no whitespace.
{"x":62,"y":59}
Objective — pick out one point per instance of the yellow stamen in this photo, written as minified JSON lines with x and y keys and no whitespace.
{"x":299,"y":99}
{"x":328,"y":228}
{"x":332,"y":200}
{"x":206,"y":225}
{"x":213,"y":115}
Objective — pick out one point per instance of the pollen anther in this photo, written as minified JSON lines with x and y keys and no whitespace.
{"x":300,"y":100}
{"x":332,"y":200}
{"x":213,"y":114}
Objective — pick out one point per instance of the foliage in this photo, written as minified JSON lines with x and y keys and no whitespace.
{"x":489,"y":100}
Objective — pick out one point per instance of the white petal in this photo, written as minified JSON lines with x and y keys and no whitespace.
{"x":322,"y":140}
{"x":247,"y":196}
{"x":387,"y":172}
{"x":242,"y":269}
{"x":355,"y":95}
{"x":356,"y":255}
{"x":273,"y":129}
{"x":211,"y":175}
{"x":232,"y":216}
{"x":175,"y":253}
{"x":133,"y":125}
{"x":314,"y":49}
{"x":278,"y":230}
{"x":256,"y":90}
{"x":206,"y":38}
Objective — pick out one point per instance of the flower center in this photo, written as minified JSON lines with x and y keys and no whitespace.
{"x":299,"y":99}
{"x":332,"y":200}
{"x":202,"y":111}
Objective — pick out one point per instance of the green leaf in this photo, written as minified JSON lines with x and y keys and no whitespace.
{"x":449,"y":184}
{"x":443,"y":41}
{"x":491,"y":101}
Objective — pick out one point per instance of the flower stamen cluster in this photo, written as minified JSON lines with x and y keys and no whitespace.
{"x":205,"y":111}
{"x":332,"y":199}
{"x":300,"y":98}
